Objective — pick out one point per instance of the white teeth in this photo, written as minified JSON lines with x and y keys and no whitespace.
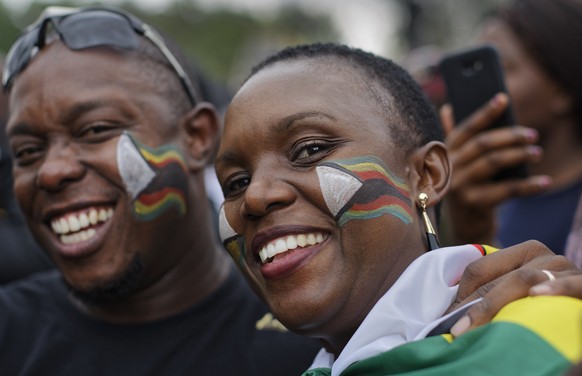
{"x":271,"y":250}
{"x":311,"y":239}
{"x":73,"y":223}
{"x":301,"y":240}
{"x":64,"y":226}
{"x":280,"y":246}
{"x":84,"y":220}
{"x":263,"y":254}
{"x":93,"y":217}
{"x":288,"y":243}
{"x":102,"y":215}
{"x":78,"y":236}
{"x":291,"y":242}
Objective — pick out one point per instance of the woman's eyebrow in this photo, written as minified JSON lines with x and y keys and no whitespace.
{"x":288,"y":122}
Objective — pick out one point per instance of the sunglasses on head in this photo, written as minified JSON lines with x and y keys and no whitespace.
{"x":86,"y":28}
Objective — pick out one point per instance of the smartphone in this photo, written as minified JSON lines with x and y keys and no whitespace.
{"x":472,"y":77}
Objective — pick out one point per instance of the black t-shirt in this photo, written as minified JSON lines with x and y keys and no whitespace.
{"x":42,"y":333}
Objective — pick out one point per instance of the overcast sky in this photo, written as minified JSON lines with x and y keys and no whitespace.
{"x":367,"y":24}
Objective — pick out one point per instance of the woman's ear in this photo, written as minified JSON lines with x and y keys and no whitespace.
{"x":201,"y":128}
{"x":431,"y":172}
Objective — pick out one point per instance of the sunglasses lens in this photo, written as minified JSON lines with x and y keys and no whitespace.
{"x":97,"y":28}
{"x":19,"y":55}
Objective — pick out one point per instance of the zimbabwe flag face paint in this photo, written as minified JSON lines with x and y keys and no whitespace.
{"x":155,"y":178}
{"x":233,"y":242}
{"x":363,"y":188}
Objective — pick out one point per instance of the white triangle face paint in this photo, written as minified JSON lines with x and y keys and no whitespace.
{"x":134,"y":170}
{"x":226,"y":231}
{"x":337,"y":187}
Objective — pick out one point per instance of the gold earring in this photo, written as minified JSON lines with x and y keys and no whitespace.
{"x":431,"y":237}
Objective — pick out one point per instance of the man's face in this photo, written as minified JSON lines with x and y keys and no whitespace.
{"x":310,"y":174}
{"x":90,"y":136}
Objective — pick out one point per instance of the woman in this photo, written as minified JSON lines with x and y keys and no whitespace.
{"x":331,"y":166}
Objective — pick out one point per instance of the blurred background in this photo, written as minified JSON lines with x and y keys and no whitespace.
{"x":224,"y":38}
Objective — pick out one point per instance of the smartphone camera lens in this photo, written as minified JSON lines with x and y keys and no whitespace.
{"x":471,"y":67}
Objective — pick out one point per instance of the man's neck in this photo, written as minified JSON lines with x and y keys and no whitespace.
{"x":189,"y":282}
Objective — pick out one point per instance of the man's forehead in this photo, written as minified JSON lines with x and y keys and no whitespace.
{"x":57,"y":57}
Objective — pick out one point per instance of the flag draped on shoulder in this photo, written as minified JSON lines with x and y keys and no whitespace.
{"x":531,"y":336}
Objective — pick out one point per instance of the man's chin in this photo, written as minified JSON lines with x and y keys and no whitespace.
{"x":114,"y":290}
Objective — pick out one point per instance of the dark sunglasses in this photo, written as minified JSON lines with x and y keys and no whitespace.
{"x":85,"y":28}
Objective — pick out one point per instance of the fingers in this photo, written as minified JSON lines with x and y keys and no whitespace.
{"x":475,"y":123}
{"x":447,"y":119}
{"x":491,"y":194}
{"x":569,"y":286}
{"x":524,"y":280}
{"x":515,"y":286}
{"x":478,"y":275}
{"x":504,"y":138}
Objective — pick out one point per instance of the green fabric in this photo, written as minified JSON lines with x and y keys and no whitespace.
{"x":317,"y":372}
{"x":495,"y":349}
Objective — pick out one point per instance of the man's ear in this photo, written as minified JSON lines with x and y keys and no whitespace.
{"x":200,"y":127}
{"x":430,"y":171}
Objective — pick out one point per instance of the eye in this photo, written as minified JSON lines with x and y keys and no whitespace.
{"x":310,"y":151}
{"x":235,"y":185}
{"x":99,"y":132}
{"x":27,"y":153}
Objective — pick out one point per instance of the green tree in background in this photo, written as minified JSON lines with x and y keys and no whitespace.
{"x":221,"y":43}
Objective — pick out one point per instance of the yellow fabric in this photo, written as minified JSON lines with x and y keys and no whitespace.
{"x":448,"y":337}
{"x":489,"y":249}
{"x":556,"y":319}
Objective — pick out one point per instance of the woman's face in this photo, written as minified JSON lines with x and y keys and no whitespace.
{"x":310,"y":174}
{"x":531,"y":90}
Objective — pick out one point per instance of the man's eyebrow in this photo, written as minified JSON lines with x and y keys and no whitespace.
{"x":79,"y":109}
{"x":68,"y":116}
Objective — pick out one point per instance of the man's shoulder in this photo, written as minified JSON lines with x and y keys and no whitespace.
{"x":31,"y":288}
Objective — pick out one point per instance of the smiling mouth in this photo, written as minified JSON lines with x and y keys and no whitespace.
{"x":77,"y":227}
{"x":288,"y":243}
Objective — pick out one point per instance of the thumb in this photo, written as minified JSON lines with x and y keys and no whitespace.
{"x":447,"y":119}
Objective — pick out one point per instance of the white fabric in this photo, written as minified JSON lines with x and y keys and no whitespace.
{"x":409,"y":310}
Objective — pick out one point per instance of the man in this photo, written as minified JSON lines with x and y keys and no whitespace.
{"x":110,"y":142}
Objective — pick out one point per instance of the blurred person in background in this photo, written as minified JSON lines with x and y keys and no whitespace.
{"x":20,"y":255}
{"x":422,"y":64}
{"x":541,"y":52}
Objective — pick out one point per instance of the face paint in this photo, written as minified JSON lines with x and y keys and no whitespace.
{"x":363,"y":188}
{"x":233,"y":242}
{"x":156,"y":178}
{"x":134,"y":170}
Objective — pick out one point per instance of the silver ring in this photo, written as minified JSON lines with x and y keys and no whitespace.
{"x":549,"y":274}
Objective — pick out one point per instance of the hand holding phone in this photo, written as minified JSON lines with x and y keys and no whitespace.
{"x":473,"y":77}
